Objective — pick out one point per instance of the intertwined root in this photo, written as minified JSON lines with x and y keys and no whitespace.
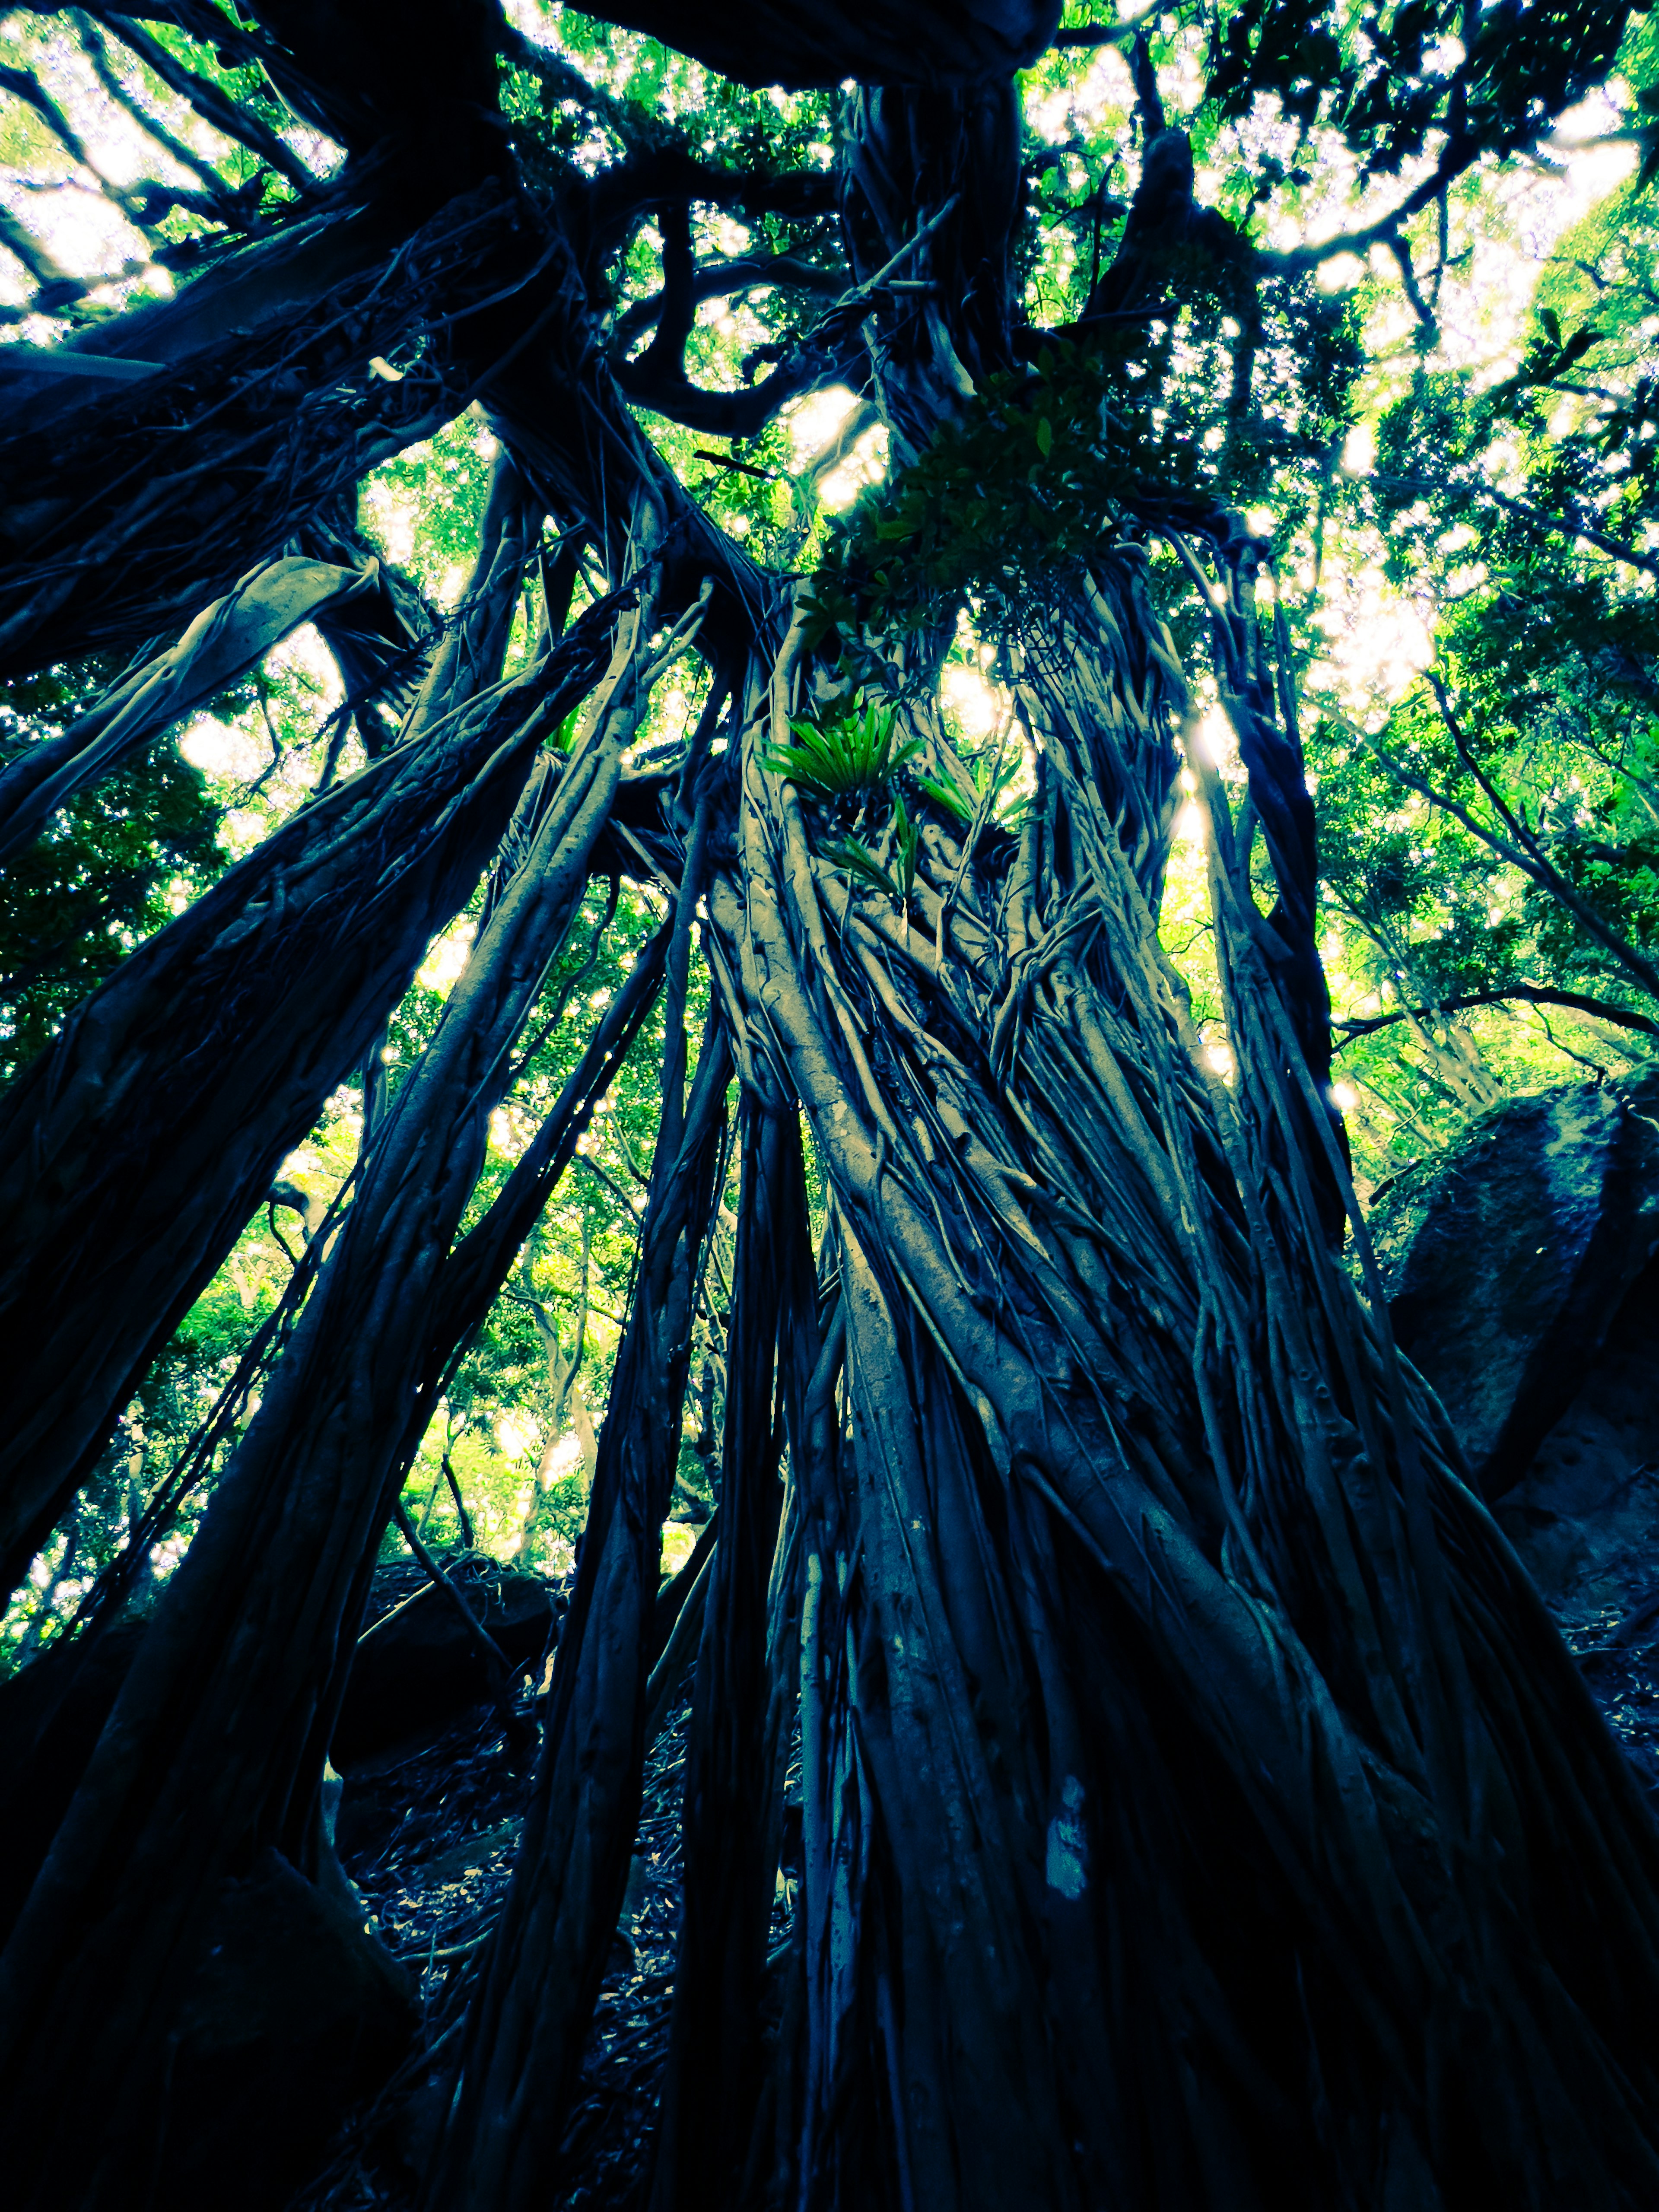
{"x":1136,"y":1532}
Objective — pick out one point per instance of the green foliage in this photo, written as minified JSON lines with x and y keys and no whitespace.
{"x":843,"y":757}
{"x":426,"y":503}
{"x":851,"y":853}
{"x":987,"y":779}
{"x":1384,"y":78}
{"x":1005,"y":510}
{"x":113,"y":868}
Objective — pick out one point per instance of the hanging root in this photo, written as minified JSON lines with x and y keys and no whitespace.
{"x":1200,"y":1808}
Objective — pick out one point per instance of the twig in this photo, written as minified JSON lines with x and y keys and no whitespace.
{"x":491,"y":1651}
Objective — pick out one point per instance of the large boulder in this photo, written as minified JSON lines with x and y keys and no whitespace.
{"x":1523,"y":1283}
{"x":295,"y":2016}
{"x":1507,"y":1264}
{"x":416,"y":1669}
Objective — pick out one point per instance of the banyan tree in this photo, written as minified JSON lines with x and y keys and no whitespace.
{"x":1199,"y":1808}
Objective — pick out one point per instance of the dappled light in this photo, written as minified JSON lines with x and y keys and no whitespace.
{"x":828,"y":1215}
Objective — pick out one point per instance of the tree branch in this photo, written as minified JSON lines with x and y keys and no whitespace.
{"x":1578,"y":1002}
{"x":1460,"y":152}
{"x":664,"y":359}
{"x":1100,"y":34}
{"x":214,"y":105}
{"x":497,"y":1666}
{"x":1567,"y":525}
{"x":96,"y":48}
{"x":1521,"y":851}
{"x":719,"y":280}
{"x":820,"y":356}
{"x":56,"y":285}
{"x":617,"y":195}
{"x":563,"y":77}
{"x":628,"y":1201}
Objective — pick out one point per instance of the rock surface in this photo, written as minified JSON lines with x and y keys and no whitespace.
{"x":416,"y":1669}
{"x":1585,"y":1517}
{"x":1508,"y":1265}
{"x":295,"y":2016}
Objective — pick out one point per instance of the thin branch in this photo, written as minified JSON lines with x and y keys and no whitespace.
{"x":1420,"y":306}
{"x":96,"y":47}
{"x":495,"y":1659}
{"x":1568,"y":525}
{"x":1577,"y":1002}
{"x":743,"y":468}
{"x":1098,"y":35}
{"x":214,"y":105}
{"x":1521,"y":851}
{"x":820,"y":356}
{"x":719,"y":280}
{"x":626,"y":1200}
{"x":1459,"y":153}
{"x":39,"y":261}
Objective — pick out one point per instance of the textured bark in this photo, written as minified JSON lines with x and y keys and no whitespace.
{"x":923,"y":42}
{"x":124,"y":514}
{"x":908,"y":155}
{"x":713,"y":2084}
{"x":525,"y":2035}
{"x":201,"y":1763}
{"x":228,"y":638}
{"x":1200,"y":1813}
{"x":1149,"y":1537}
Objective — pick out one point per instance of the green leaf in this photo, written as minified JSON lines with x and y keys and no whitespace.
{"x":943,"y":795}
{"x":1045,"y":436}
{"x":910,"y":837}
{"x":858,"y":860}
{"x":842,"y":758}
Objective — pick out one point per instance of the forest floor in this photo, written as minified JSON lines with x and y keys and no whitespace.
{"x":432,"y":1839}
{"x":442,"y":1828}
{"x":1618,"y":1653}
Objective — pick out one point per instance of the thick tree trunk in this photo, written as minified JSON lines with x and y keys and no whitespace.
{"x":201,"y":1763}
{"x":1157,"y":1540}
{"x":1200,"y":1813}
{"x":924,"y":42}
{"x":733,"y":1779}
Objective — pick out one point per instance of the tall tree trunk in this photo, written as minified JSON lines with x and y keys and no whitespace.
{"x":201,"y":1763}
{"x":524,"y":2041}
{"x":713,"y":2085}
{"x":1157,"y":1540}
{"x":547,"y":1956}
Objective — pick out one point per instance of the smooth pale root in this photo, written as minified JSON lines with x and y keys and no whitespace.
{"x":224,"y":642}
